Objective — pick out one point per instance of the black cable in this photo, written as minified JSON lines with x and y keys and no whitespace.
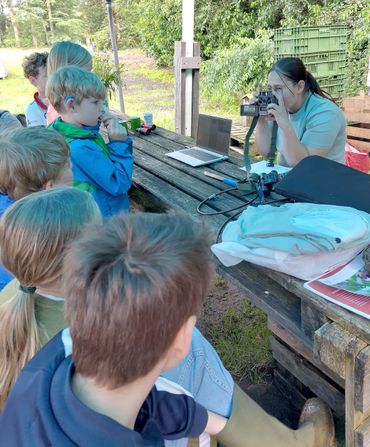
{"x":231,"y":218}
{"x":213,"y":196}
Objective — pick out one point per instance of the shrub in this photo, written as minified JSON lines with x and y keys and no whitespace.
{"x":239,"y":69}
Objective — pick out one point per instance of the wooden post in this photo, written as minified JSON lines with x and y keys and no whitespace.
{"x":188,"y":38}
{"x":183,"y":64}
{"x":187,"y":65}
{"x":115,"y":54}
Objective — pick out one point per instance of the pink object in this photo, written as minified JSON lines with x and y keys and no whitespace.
{"x":51,"y":115}
{"x":357,"y":158}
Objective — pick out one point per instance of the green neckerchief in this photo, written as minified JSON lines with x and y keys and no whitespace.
{"x":71,"y":133}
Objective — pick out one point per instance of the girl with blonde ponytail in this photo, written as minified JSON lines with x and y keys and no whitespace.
{"x":34,"y":234}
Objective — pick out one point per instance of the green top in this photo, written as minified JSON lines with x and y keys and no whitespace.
{"x":49,"y":312}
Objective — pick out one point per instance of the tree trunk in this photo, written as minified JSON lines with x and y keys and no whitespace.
{"x":50,"y":16}
{"x":47,"y":40}
{"x":14,"y":24}
{"x":34,"y":38}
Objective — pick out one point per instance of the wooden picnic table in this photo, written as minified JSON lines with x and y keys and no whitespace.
{"x":321,"y":344}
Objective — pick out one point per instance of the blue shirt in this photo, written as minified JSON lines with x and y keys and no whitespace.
{"x":42,"y":410}
{"x":319,"y":123}
{"x":5,"y":276}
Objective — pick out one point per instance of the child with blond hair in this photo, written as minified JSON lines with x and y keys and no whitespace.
{"x":61,"y":54}
{"x":34,"y":233}
{"x":103,"y":169}
{"x":31,"y":159}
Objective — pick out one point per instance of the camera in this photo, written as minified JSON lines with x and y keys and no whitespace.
{"x":259,"y":108}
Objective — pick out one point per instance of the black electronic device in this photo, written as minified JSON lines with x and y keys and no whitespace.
{"x":259,"y":107}
{"x":317,"y":179}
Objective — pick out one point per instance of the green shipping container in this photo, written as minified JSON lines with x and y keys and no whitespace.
{"x":310,"y":39}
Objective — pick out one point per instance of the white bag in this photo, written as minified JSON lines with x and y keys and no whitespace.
{"x":302,"y":239}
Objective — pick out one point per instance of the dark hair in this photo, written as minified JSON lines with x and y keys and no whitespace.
{"x":130,"y":285}
{"x":32,"y":63}
{"x":294,"y":69}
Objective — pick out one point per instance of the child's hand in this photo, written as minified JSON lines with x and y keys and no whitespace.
{"x":215,"y":423}
{"x":116,"y":132}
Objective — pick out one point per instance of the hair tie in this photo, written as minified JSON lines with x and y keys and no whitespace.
{"x":27,"y":289}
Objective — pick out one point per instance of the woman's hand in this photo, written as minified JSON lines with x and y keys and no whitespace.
{"x":279,"y":113}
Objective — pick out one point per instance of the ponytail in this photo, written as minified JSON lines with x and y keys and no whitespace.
{"x":313,"y":86}
{"x":294,"y":69}
{"x":20,"y":339}
{"x":34,"y":234}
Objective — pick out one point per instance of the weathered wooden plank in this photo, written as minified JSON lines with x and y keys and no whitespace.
{"x":362,"y":381}
{"x":195,"y":91}
{"x":234,"y":158}
{"x":357,"y":116}
{"x":355,"y":324}
{"x":363,"y":145}
{"x":331,"y":343}
{"x":159,"y":153}
{"x":309,"y":376}
{"x":229,"y":168}
{"x":266,"y":294}
{"x":354,"y":417}
{"x":180,"y":49}
{"x":312,"y":319}
{"x":359,"y":132}
{"x":187,"y":183}
{"x":178,"y":138}
{"x":362,"y":434}
{"x":288,"y":389}
{"x":303,"y":348}
{"x":169,"y":196}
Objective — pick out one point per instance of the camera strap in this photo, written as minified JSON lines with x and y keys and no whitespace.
{"x":272,"y":152}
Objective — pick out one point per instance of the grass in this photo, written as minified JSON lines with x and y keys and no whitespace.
{"x":148,"y":88}
{"x":241,"y":340}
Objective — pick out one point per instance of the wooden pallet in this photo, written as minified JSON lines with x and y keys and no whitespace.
{"x":238,"y":133}
{"x":357,"y":112}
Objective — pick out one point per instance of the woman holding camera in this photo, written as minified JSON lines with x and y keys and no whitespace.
{"x":309,"y":123}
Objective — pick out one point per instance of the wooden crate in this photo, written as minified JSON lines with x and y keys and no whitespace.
{"x":357,"y":112}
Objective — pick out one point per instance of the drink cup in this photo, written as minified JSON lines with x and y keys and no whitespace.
{"x":135,"y":123}
{"x":148,"y":118}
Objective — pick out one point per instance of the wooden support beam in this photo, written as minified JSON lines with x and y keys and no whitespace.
{"x":182,"y":65}
{"x":331,"y":343}
{"x":308,"y":375}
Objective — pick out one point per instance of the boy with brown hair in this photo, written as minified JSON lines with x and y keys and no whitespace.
{"x":103,"y":169}
{"x":133,"y":288}
{"x":34,"y":69}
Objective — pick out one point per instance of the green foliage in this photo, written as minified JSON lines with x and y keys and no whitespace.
{"x":226,"y":31}
{"x":105,"y":69}
{"x":241,"y":340}
{"x":159,"y":26}
{"x":239,"y":69}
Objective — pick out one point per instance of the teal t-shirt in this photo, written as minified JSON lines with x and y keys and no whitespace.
{"x":319,"y":123}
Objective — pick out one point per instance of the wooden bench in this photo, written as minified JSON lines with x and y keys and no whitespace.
{"x":323,"y":346}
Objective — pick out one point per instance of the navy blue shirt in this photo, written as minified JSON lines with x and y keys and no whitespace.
{"x":42,"y":410}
